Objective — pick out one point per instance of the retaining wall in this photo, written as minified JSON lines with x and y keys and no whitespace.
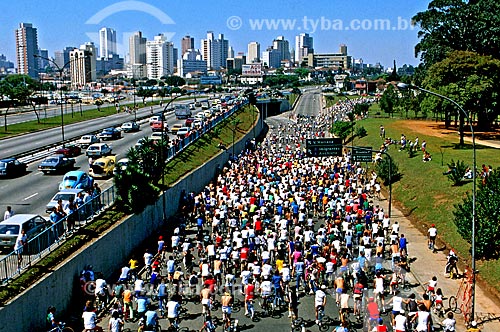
{"x":59,"y":288}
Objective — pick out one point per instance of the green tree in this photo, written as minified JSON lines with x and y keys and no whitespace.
{"x":342,"y":129}
{"x":472,"y":81}
{"x":19,"y":89}
{"x":175,"y":81}
{"x":457,"y":172}
{"x":466,"y":25}
{"x":144,"y":93}
{"x":387,"y":170}
{"x":302,"y":72}
{"x":388,"y":100}
{"x":487,"y":225}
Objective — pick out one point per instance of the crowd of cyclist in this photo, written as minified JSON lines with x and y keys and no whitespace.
{"x":272,"y":227}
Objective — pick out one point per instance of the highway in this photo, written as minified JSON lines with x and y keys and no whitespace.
{"x":31,"y":192}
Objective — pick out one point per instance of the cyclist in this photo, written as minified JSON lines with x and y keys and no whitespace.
{"x":151,"y":320}
{"x":432,"y":232}
{"x":265,"y":292}
{"x":161,"y":291}
{"x":344,"y":304}
{"x":319,"y":301}
{"x":51,"y":320}
{"x":373,"y":312}
{"x":249,"y":295}
{"x":205,"y":296}
{"x":173,"y":308}
{"x":124,"y":275}
{"x":227,"y":303}
{"x":115,"y":322}
{"x":100,"y":290}
{"x":277,"y":282}
{"x":133,"y":267}
{"x":293,"y":303}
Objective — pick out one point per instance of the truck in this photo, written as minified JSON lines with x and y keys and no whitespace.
{"x":182,"y":112}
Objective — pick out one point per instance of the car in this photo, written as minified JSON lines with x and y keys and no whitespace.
{"x":157,"y":126}
{"x":196,"y":124}
{"x":99,"y":150}
{"x":64,"y":195}
{"x":110,"y":133}
{"x":71,"y":150}
{"x":12,"y":167}
{"x":130,"y":126}
{"x":10,"y":229}
{"x":197,"y":104}
{"x":154,"y":119}
{"x":200,"y":116}
{"x":192,"y":107}
{"x":175,"y":128}
{"x":188,"y":122}
{"x":76,"y":180}
{"x":56,"y":163}
{"x":183,"y":132}
{"x":87,"y":140}
{"x":157,"y":135}
{"x":121,"y":165}
{"x":102,"y":167}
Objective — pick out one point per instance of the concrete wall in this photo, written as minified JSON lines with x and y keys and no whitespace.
{"x":28,"y":311}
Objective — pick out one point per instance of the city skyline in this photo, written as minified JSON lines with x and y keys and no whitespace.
{"x":176,"y":20}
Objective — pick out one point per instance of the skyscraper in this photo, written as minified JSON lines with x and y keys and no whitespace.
{"x":137,"y":48}
{"x":187,"y":43}
{"x":61,"y":58}
{"x":214,"y":51}
{"x":107,"y":42}
{"x":26,"y":49}
{"x":42,"y":60}
{"x":271,"y":58}
{"x":159,"y":57}
{"x":83,"y":65}
{"x":283,"y":47}
{"x":303,"y":46}
{"x":253,"y":55}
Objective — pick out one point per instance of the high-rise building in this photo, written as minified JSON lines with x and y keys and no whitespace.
{"x":283,"y":47}
{"x":191,"y":62}
{"x":214,"y":51}
{"x":159,"y":57}
{"x":303,"y":46}
{"x":42,"y":60}
{"x":187,"y":43}
{"x":137,"y":55}
{"x":230,"y":52}
{"x":107,"y":42}
{"x":253,"y":55}
{"x":26,"y":49}
{"x":61,"y":58}
{"x":5,"y":64}
{"x":83,"y":65}
{"x":271,"y":58}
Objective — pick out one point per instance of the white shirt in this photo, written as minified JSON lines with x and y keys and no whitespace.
{"x":89,"y":319}
{"x":148,"y":258}
{"x":8,"y":214}
{"x":397,"y":303}
{"x":423,"y":318}
{"x":138,"y":285}
{"x":285,"y":273}
{"x":172,"y":309}
{"x":400,"y":323}
{"x":265,"y":287}
{"x":319,"y":297}
{"x":432,"y":231}
{"x":20,"y":241}
{"x":125,"y":271}
{"x":100,"y":285}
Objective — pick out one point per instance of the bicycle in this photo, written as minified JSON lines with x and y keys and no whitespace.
{"x":297,"y":324}
{"x":61,"y":327}
{"x":323,"y":320}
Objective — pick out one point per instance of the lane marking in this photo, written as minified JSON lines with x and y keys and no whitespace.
{"x":30,"y":196}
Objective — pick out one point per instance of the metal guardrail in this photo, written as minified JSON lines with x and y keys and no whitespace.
{"x":45,"y":242}
{"x":53,"y":235}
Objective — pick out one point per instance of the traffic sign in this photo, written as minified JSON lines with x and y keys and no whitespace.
{"x":362,"y":154}
{"x":322,"y":147}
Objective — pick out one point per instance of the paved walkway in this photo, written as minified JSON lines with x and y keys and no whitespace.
{"x":430,"y":264}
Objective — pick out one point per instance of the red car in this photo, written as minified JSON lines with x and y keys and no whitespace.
{"x":69,"y":150}
{"x":157,"y":126}
{"x":188,"y":122}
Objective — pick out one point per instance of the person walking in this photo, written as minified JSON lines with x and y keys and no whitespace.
{"x":8,"y":213}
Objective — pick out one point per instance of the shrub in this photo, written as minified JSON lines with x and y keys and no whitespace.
{"x":382,"y":168}
{"x":456,"y":172}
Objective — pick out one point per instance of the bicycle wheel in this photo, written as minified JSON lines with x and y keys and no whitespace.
{"x":323,"y":326}
{"x":68,"y":329}
{"x":452,"y":304}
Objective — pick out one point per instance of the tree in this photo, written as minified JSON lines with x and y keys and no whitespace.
{"x":472,"y":81}
{"x":457,"y":171}
{"x":17,"y":88}
{"x":467,"y":25}
{"x":302,"y":72}
{"x":382,"y":169}
{"x":388,"y":100}
{"x":144,"y":93}
{"x":341,"y":129}
{"x":487,"y":225}
{"x":175,"y":81}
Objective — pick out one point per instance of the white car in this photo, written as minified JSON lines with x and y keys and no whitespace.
{"x":155,"y":118}
{"x":87,"y":140}
{"x":183,"y":132}
{"x":99,"y":150}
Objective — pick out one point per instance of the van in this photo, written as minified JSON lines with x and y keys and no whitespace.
{"x":10,"y":229}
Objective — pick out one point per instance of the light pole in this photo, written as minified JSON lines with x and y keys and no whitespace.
{"x":60,"y":70}
{"x":404,"y":86}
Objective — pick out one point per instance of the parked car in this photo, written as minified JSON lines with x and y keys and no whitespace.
{"x":12,"y":167}
{"x":76,"y":180}
{"x":130,"y":126}
{"x":70,"y":150}
{"x":183,"y":132}
{"x":110,"y":133}
{"x":64,"y":195}
{"x":87,"y":140}
{"x":103,"y":167}
{"x":157,"y":126}
{"x":188,"y":122}
{"x":175,"y":128}
{"x":11,"y":228}
{"x":56,"y":163}
{"x":99,"y":150}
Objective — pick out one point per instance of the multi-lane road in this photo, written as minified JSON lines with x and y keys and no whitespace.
{"x":31,"y":192}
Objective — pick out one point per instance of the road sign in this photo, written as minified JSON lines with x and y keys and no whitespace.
{"x":362,"y":154}
{"x":322,"y":147}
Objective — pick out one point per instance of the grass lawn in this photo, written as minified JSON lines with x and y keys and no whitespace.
{"x":206,"y":147}
{"x":425,"y":193}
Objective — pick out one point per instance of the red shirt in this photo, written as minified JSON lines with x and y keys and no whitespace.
{"x":211,"y":284}
{"x":381,"y":328}
{"x":258,"y":225}
{"x":244,"y":253}
{"x":249,"y":292}
{"x":373,"y":310}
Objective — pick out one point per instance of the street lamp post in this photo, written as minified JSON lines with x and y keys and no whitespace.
{"x":474,"y":161}
{"x":60,"y":70}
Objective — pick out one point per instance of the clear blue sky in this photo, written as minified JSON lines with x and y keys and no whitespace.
{"x":330,"y":22}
